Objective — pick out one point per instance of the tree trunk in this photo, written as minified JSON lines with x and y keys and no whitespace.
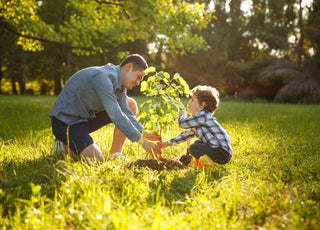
{"x":1,"y":76}
{"x":13,"y":80}
{"x":13,"y":85}
{"x":22,"y":77}
{"x":57,"y":73}
{"x":22,"y":86}
{"x":57,"y":82}
{"x":301,"y":39}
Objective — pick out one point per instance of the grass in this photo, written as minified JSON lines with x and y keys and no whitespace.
{"x":272,"y":181}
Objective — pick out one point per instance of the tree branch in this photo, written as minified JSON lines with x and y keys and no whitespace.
{"x":121,"y":4}
{"x":110,"y":3}
{"x":10,"y":28}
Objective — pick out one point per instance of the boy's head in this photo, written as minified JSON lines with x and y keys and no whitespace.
{"x":207,"y":95}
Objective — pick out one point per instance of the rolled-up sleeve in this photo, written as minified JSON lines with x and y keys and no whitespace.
{"x":125,"y":108}
{"x":181,"y":137}
{"x":105,"y":91}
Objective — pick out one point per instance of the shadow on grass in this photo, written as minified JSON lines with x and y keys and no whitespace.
{"x":17,"y":177}
{"x":181,"y":187}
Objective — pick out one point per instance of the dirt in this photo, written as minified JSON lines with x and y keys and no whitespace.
{"x":158,"y":165}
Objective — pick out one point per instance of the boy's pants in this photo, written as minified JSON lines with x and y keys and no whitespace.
{"x":218,"y":155}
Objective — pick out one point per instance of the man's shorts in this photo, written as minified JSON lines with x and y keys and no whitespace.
{"x":79,"y":137}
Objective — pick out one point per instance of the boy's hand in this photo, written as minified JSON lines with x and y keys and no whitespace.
{"x":151,"y":136}
{"x":163,"y":144}
{"x":183,"y":112}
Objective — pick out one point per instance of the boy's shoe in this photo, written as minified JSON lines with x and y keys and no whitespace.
{"x":198,"y":164}
{"x":207,"y":162}
{"x":58,"y":149}
{"x":117,"y":155}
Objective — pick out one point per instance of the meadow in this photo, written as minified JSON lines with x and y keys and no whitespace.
{"x":272,"y":181}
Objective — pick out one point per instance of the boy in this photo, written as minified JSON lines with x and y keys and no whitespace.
{"x":213,"y":144}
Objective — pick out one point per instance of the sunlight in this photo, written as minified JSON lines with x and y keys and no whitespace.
{"x":306,"y":3}
{"x":247,"y":5}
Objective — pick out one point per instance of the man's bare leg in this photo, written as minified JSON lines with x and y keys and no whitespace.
{"x":118,"y":137}
{"x":90,"y":153}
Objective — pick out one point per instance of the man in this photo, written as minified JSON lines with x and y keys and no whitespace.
{"x":94,"y":97}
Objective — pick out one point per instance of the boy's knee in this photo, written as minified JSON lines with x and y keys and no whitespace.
{"x":195,"y":151}
{"x":133,"y":106}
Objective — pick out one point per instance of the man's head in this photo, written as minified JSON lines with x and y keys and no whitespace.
{"x":132,"y":70}
{"x":138,"y":62}
{"x":207,"y":96}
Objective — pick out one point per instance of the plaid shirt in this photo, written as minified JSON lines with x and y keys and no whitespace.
{"x":205,"y":127}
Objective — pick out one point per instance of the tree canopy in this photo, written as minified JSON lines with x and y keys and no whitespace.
{"x":102,"y":28}
{"x":93,"y":26}
{"x":258,"y":49}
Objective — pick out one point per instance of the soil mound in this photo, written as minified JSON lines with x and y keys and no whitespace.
{"x":158,"y":165}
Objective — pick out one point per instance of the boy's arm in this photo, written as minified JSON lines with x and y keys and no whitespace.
{"x":182,"y":137}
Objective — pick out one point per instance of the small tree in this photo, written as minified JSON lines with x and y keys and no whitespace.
{"x":164,"y":91}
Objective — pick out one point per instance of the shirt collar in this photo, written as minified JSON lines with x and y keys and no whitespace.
{"x":118,"y":86}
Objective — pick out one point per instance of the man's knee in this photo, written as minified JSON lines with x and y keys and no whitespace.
{"x":133,"y":106}
{"x":92,"y":152}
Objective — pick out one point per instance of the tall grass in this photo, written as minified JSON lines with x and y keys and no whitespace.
{"x":272,"y":181}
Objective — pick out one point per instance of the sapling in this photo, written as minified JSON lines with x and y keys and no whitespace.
{"x":163,"y":104}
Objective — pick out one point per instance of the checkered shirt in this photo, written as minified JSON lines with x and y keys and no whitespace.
{"x":206,"y":128}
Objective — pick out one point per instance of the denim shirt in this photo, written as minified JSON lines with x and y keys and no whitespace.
{"x":92,"y":90}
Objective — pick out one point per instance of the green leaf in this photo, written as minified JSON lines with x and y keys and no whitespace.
{"x":163,"y":109}
{"x":150,"y":69}
{"x":143,"y":86}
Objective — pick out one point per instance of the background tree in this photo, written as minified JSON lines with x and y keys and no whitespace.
{"x":258,"y":52}
{"x":269,"y":50}
{"x":93,"y":27}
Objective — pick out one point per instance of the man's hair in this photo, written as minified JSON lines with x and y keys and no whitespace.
{"x":207,"y":94}
{"x":138,"y":62}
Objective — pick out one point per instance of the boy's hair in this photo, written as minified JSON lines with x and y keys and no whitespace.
{"x":207,"y":94}
{"x":138,"y":62}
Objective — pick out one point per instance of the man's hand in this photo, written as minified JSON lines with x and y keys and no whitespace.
{"x":151,"y":136}
{"x":151,"y":148}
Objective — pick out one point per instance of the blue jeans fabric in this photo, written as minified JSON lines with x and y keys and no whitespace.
{"x":79,"y":137}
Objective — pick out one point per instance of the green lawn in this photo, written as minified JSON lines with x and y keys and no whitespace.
{"x":272,"y":181}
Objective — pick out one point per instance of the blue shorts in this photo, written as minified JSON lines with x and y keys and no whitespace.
{"x":79,"y":137}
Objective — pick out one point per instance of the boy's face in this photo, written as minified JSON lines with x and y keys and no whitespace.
{"x":194,"y":105}
{"x":131,"y":78}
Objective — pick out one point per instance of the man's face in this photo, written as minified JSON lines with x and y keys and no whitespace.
{"x":132,"y":78}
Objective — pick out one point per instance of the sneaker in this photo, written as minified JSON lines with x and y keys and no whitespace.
{"x":117,"y":155}
{"x":207,"y":162}
{"x":57,"y":148}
